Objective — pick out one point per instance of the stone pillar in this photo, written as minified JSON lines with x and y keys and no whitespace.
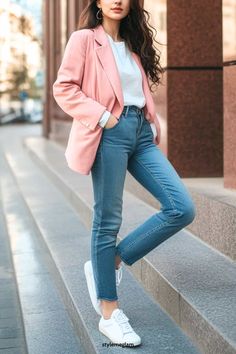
{"x":51,"y":50}
{"x":194,"y":87}
{"x":158,"y":14}
{"x":229,"y":34}
{"x":75,"y":8}
{"x":46,"y":110}
{"x":230,"y":124}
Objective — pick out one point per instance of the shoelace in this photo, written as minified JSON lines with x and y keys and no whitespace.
{"x":118,"y":275}
{"x":123,"y":321}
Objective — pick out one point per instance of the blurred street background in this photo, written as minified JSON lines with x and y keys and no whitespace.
{"x":21,"y":61}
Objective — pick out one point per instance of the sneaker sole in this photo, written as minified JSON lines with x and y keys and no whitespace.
{"x":116,"y":342}
{"x":88,"y":275}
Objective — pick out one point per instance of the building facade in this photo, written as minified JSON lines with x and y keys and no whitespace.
{"x":19,"y":48}
{"x":196,"y":101}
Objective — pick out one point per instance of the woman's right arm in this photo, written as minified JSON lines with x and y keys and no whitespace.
{"x":67,"y":87}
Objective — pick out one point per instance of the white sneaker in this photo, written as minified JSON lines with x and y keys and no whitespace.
{"x":118,"y":329}
{"x":118,"y":275}
{"x":88,"y":270}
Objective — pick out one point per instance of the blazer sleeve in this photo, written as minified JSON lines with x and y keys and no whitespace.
{"x":67,"y":87}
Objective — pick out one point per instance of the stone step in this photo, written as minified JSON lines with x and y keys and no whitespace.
{"x":12,"y":338}
{"x":67,"y":241}
{"x":193,"y":282}
{"x":47,"y":326}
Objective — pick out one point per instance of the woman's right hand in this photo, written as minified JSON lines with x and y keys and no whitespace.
{"x":112,"y":121}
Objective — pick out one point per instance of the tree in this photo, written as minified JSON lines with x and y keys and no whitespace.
{"x":18,"y":76}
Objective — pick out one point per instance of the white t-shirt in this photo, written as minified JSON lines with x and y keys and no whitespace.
{"x":131,"y":79}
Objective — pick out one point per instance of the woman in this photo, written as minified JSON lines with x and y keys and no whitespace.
{"x":103,"y":84}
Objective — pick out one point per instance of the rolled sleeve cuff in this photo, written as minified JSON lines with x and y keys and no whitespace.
{"x":104,"y":118}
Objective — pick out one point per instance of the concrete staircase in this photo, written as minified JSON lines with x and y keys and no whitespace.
{"x":180,"y":298}
{"x":46,"y":322}
{"x":12,"y":338}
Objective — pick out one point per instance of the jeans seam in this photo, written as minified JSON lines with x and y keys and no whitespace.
{"x":149,"y":232}
{"x":101,"y":190}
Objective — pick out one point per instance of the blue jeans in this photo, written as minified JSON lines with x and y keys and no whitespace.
{"x":129,"y":146}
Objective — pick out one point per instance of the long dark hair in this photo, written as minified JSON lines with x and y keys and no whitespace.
{"x":136,"y":30}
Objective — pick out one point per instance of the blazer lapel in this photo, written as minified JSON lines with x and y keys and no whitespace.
{"x":106,"y":57}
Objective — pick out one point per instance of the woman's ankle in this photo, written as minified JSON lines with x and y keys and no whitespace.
{"x":107,"y":307}
{"x":118,"y":261}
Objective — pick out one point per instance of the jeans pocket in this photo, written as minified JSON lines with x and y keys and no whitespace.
{"x":114,"y":127}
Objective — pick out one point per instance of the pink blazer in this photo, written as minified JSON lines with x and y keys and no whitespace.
{"x":87,"y":84}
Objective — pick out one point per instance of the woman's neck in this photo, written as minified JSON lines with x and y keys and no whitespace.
{"x":112,"y":28}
